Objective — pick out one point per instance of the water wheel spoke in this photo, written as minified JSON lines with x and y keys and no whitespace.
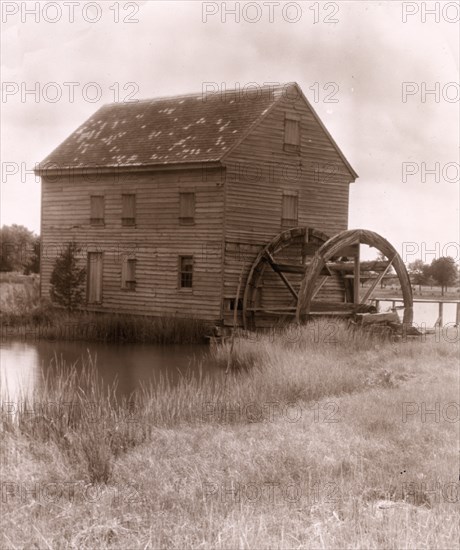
{"x":264,"y":299}
{"x":283,"y":277}
{"x":319,"y":286}
{"x":377,"y":281}
{"x":291,"y":268}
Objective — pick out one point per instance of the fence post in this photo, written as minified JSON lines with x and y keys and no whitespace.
{"x":439,"y":321}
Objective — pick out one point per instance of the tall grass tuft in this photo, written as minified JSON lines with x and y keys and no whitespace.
{"x":24,"y":313}
{"x":53,"y":324}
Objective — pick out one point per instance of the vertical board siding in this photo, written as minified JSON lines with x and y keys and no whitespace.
{"x":97,"y":209}
{"x":290,"y":210}
{"x":187,"y":207}
{"x":128,"y":209}
{"x":291,"y":131}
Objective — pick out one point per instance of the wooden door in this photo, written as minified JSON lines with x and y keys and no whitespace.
{"x":94,"y":286}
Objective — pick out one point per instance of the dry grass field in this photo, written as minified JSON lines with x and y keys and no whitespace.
{"x":313,"y":441}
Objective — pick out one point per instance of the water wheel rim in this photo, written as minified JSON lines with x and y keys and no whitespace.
{"x":337,"y":243}
{"x":281,"y":241}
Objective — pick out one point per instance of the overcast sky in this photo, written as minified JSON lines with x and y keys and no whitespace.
{"x":368,"y":52}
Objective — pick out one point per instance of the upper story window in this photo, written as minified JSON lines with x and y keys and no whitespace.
{"x":97,"y":210}
{"x":128,"y":209}
{"x":292,"y":132}
{"x":185,"y":271}
{"x":186,"y":208}
{"x":290,"y":209}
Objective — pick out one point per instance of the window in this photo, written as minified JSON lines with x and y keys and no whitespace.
{"x":128,"y":274}
{"x":187,"y":208}
{"x":128,"y":210}
{"x":94,"y":278}
{"x":97,"y":210}
{"x":186,"y":271}
{"x":231,"y":304}
{"x":292,"y":132}
{"x":290,"y":215}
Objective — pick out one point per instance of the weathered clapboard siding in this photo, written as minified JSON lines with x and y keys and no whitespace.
{"x":156,"y":241}
{"x":228,"y":150}
{"x":258,"y":171}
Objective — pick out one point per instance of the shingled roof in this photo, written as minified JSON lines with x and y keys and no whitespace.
{"x":170,"y":130}
{"x":184,"y":129}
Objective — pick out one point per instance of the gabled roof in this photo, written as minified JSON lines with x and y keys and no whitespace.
{"x":169,"y":130}
{"x":182,"y":129}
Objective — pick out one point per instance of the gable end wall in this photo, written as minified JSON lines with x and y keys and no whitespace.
{"x":259,"y":170}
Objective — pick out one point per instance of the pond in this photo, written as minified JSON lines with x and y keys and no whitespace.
{"x":130,"y":365}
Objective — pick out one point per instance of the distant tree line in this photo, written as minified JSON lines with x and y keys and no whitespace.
{"x":19,"y":249}
{"x":442,"y":271}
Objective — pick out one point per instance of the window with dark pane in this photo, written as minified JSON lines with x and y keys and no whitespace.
{"x":186,"y":271}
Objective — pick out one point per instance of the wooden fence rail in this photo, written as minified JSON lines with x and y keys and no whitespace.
{"x":439,"y":320}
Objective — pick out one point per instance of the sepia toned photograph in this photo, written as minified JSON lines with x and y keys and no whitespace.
{"x":230,"y":275}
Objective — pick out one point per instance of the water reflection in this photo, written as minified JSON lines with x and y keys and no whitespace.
{"x":18,"y":369}
{"x":23,"y":363}
{"x":425,"y":312}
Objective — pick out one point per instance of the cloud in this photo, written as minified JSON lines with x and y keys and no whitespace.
{"x":368,"y":55}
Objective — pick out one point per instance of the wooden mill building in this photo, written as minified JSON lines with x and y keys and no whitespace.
{"x":171,"y":199}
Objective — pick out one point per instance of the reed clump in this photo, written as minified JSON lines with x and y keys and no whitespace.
{"x":25,"y":315}
{"x":48,"y":323}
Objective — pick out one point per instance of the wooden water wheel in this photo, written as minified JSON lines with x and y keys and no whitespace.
{"x":344,"y":244}
{"x":302,"y":272}
{"x":275,"y":277}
